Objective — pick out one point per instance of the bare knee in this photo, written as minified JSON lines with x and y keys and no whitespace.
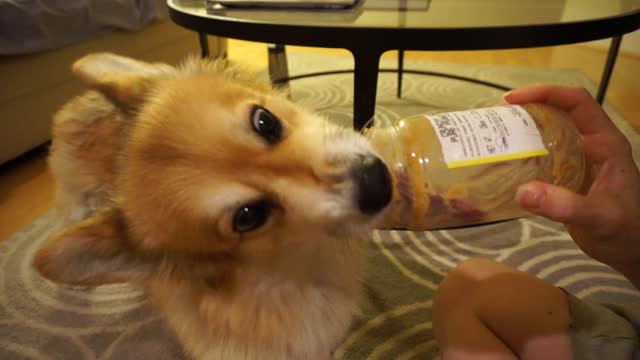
{"x":466,"y":278}
{"x":478,"y":269}
{"x":514,"y":306}
{"x":491,"y":288}
{"x":458,"y":327}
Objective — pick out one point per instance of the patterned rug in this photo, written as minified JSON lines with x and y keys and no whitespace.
{"x":39,"y":320}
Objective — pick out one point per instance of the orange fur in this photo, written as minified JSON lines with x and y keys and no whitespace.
{"x":150,"y":170}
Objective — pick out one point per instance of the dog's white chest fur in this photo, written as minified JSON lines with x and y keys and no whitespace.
{"x":266,"y":319}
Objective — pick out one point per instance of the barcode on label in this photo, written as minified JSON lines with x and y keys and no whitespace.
{"x":487,"y":135}
{"x":445,"y":128}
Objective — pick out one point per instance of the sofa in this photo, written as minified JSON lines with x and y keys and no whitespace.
{"x":35,"y":62}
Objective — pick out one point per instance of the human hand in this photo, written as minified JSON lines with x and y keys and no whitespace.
{"x":605,"y":222}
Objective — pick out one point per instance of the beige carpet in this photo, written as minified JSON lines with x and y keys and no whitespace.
{"x":39,"y":320}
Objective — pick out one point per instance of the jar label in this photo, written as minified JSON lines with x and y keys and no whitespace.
{"x":483,"y":136}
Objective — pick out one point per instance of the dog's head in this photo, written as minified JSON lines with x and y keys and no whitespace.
{"x":217,"y":168}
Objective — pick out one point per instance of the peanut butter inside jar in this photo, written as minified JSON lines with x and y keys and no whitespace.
{"x":464,"y":168}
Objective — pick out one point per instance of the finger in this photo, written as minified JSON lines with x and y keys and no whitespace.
{"x":586,"y":113}
{"x":566,"y":98}
{"x":562,"y":205}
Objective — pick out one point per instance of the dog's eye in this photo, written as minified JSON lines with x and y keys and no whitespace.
{"x":251,"y":216}
{"x":266,"y":124}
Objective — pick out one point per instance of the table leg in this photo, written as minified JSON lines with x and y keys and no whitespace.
{"x":278,"y":64}
{"x":400,"y":70}
{"x":204,"y":44}
{"x":365,"y":86}
{"x":614,"y":48}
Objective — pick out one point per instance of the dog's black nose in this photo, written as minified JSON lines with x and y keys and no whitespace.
{"x":373,"y":183}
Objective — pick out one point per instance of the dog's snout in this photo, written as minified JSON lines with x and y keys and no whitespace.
{"x":373,"y":183}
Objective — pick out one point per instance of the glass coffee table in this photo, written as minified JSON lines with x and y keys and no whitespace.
{"x":376,"y":26}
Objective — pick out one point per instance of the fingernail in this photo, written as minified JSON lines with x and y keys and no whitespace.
{"x":530,"y":197}
{"x":505,"y":95}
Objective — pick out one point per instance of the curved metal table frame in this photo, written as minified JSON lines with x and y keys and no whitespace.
{"x":367,"y":53}
{"x":431,"y":73}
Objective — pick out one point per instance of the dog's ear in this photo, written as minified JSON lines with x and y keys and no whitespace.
{"x":93,"y":252}
{"x":123,"y":80}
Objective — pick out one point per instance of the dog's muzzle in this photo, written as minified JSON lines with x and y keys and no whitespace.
{"x":373,"y":184}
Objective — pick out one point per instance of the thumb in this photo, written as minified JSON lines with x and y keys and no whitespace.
{"x":556,"y":203}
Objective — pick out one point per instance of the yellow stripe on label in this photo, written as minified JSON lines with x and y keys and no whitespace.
{"x":497,"y":158}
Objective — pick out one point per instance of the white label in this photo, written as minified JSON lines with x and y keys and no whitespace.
{"x":488,"y":135}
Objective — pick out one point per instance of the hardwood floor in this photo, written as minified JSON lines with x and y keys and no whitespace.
{"x":26,"y":186}
{"x":26,"y":191}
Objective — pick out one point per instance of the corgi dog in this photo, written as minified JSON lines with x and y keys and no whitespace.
{"x":242,"y":214}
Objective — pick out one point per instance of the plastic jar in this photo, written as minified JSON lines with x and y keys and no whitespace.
{"x":463,"y":168}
